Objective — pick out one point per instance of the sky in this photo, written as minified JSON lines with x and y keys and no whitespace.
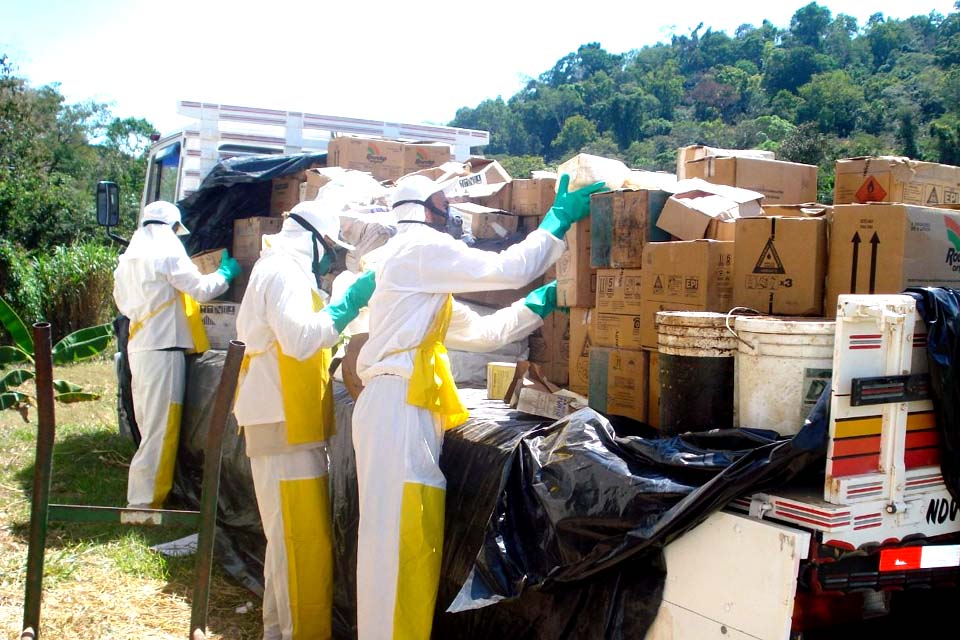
{"x":412,"y":61}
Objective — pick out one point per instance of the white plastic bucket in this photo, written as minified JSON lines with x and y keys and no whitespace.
{"x":696,"y":371}
{"x":782,"y":365}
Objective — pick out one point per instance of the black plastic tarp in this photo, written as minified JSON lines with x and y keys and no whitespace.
{"x":234,"y":189}
{"x":583,"y":514}
{"x":940,"y":310}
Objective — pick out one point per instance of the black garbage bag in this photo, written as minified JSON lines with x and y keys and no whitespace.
{"x":234,"y":189}
{"x":940,"y":309}
{"x":583,"y":510}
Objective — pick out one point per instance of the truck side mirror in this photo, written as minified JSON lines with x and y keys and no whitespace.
{"x":108,"y":204}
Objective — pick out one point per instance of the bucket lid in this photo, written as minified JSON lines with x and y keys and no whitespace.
{"x":783,"y":324}
{"x":692,"y":318}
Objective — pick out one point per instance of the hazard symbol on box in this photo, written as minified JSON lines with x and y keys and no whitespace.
{"x":871,"y":191}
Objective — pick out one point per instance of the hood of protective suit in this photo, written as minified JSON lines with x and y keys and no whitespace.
{"x":154,"y":240}
{"x":165,"y":212}
{"x":418,"y":188}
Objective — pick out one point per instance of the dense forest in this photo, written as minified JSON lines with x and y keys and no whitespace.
{"x":823,"y":88}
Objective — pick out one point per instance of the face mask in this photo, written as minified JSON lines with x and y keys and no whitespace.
{"x":453,"y":224}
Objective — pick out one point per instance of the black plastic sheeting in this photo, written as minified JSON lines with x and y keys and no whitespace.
{"x":574,"y":545}
{"x":234,"y":189}
{"x":239,"y":543}
{"x":940,"y":309}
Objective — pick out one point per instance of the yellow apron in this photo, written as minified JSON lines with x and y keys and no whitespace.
{"x":305,"y":389}
{"x":191,"y":309}
{"x":431,"y":383}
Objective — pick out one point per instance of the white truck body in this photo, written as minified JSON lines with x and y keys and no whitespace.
{"x":179,"y":161}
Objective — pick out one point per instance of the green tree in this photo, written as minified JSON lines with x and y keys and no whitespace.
{"x":577,"y":132}
{"x":833,"y":101}
{"x":789,"y":68}
{"x":51,"y":156}
{"x":809,"y":25}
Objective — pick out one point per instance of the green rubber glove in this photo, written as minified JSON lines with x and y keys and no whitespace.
{"x":568,"y":207}
{"x":229,"y":267}
{"x":542,"y":300}
{"x":355,"y":298}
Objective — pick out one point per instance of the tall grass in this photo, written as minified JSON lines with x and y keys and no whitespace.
{"x":68,"y":286}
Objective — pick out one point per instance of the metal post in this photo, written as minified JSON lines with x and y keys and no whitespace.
{"x":46,"y":431}
{"x":211,"y":487}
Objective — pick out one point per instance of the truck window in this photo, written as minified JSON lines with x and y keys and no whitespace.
{"x":164,"y":168}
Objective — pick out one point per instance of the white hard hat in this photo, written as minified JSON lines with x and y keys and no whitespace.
{"x":324,"y":219}
{"x":165,"y":212}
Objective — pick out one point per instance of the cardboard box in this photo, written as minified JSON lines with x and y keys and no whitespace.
{"x":384,"y":159}
{"x":778,"y":181}
{"x":482,"y":171}
{"x":550,"y":348}
{"x":499,"y":377}
{"x":698,"y":151}
{"x":619,"y":291}
{"x":895,"y":179}
{"x":418,"y":156}
{"x":247,"y":234}
{"x":621,"y":222}
{"x":284,"y":194}
{"x":495,"y":195}
{"x":653,"y":386}
{"x":805,"y":210}
{"x":576,"y":280}
{"x":531,"y":392}
{"x":486,"y":223}
{"x":545,"y":404}
{"x":219,"y":319}
{"x":723,"y":230}
{"x":885,"y":248}
{"x":208,"y":261}
{"x":684,"y":276}
{"x":581,"y":340}
{"x":695,"y":203}
{"x":780,"y":265}
{"x":618,"y":382}
{"x":617,"y":331}
{"x":533,"y":197}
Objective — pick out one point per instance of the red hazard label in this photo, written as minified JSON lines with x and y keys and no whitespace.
{"x":871,"y":191}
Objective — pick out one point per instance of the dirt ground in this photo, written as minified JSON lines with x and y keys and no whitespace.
{"x":100,"y":581}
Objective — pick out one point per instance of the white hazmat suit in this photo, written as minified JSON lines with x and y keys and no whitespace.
{"x":285,"y":407}
{"x":397,"y":444}
{"x":157,"y":287}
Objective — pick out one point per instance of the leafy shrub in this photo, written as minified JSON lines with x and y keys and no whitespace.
{"x":71,"y":287}
{"x":77,"y":286}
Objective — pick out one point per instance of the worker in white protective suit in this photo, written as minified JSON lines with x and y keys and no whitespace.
{"x":409,"y":397}
{"x":284,"y":406}
{"x":158,"y":288}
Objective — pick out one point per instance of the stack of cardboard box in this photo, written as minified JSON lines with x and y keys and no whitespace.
{"x":624,"y":227}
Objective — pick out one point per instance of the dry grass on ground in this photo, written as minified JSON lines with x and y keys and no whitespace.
{"x":101,"y":581}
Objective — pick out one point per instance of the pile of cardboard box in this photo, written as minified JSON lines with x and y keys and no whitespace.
{"x":741,"y":229}
{"x":737,"y":229}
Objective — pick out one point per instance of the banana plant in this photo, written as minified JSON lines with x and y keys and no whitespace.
{"x":75,"y":347}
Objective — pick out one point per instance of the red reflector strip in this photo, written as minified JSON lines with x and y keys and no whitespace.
{"x":931,"y":557}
